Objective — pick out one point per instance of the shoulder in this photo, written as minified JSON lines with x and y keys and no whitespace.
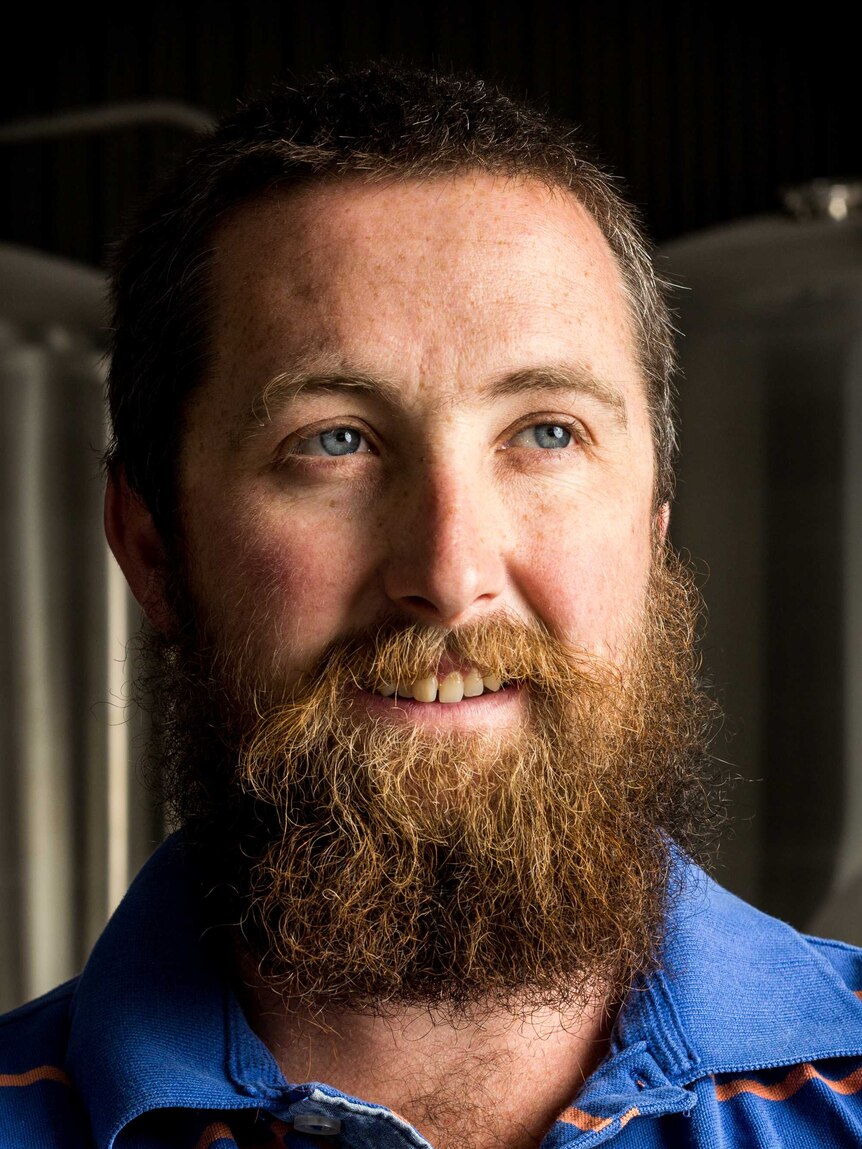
{"x":773,"y":1020}
{"x":39,"y":1107}
{"x":817,"y":1100}
{"x":812,"y":1103}
{"x":844,"y":958}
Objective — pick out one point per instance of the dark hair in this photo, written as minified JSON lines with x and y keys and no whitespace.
{"x":381,"y":122}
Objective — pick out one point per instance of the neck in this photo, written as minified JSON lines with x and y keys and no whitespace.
{"x":445,"y":1072}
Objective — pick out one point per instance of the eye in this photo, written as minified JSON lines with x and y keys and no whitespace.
{"x":332,"y":443}
{"x":549,"y":436}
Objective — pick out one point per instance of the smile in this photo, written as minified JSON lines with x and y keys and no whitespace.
{"x":452,"y":687}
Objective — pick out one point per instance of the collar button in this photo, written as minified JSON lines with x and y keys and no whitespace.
{"x":316,"y":1124}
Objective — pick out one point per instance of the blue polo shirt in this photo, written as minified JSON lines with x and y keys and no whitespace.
{"x":750,"y":1036}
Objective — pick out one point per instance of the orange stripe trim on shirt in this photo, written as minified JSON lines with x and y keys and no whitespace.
{"x":858,"y":993}
{"x":217,"y":1131}
{"x":792,"y":1083}
{"x":40,"y":1073}
{"x":588,"y":1122}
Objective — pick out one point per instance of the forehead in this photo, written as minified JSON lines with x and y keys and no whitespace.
{"x":430,"y":280}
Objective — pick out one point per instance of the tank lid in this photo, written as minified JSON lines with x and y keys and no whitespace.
{"x":824,"y":199}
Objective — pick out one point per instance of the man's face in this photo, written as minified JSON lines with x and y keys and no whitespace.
{"x":423,"y":449}
{"x":424,"y":406}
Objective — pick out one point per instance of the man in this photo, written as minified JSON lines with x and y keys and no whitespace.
{"x":391,"y":480}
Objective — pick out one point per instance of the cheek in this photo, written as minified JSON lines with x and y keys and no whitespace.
{"x":590,"y":586}
{"x":281,"y":583}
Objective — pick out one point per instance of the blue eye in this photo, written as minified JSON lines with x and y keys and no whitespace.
{"x":546,"y":435}
{"x":334,"y":441}
{"x":340,"y":441}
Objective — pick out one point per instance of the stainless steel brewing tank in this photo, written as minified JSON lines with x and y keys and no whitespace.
{"x":74,"y":821}
{"x":770,"y":500}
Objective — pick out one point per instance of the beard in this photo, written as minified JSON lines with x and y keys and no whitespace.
{"x":364,"y":863}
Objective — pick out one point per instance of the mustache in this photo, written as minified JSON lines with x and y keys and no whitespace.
{"x":517,"y":651}
{"x":566,"y":689}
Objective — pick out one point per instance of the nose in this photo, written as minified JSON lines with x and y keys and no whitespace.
{"x":445,"y":553}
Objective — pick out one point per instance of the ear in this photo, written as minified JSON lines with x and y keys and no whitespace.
{"x":138,"y":547}
{"x":663,"y":521}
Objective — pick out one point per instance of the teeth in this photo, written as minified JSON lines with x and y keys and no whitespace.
{"x":425,"y":689}
{"x":453,"y":687}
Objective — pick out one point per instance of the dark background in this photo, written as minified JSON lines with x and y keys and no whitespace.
{"x":705,"y":109}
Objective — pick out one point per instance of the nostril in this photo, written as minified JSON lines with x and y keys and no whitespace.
{"x":418,"y":602}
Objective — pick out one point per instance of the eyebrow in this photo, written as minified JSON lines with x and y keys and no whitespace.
{"x":287,"y":386}
{"x":559,"y":378}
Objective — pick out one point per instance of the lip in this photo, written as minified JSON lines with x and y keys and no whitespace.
{"x":490,"y":710}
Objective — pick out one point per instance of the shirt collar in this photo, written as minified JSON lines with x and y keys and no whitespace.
{"x":738,"y":990}
{"x":153,"y":1023}
{"x":156,"y":1025}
